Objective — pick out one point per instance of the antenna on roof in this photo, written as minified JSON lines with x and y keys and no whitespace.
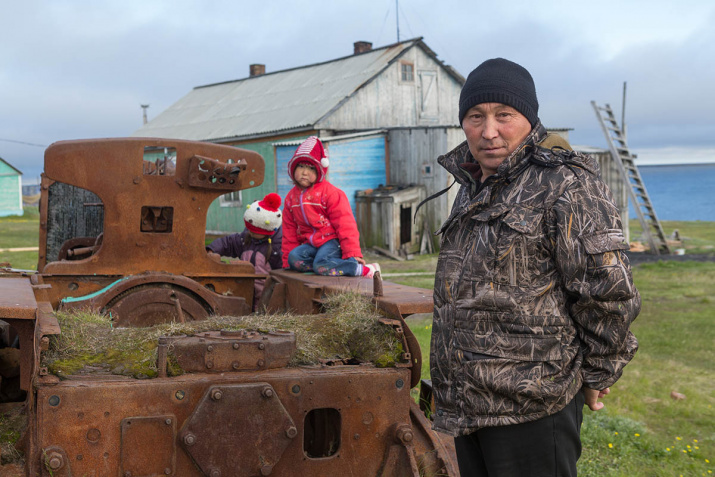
{"x":144,"y":108}
{"x":397,"y":19}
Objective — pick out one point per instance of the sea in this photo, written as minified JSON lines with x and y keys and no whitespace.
{"x":680,"y":192}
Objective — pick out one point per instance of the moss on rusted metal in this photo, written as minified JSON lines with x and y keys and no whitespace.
{"x":349,"y":330}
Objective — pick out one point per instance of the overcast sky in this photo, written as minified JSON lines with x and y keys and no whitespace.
{"x":81,"y":69}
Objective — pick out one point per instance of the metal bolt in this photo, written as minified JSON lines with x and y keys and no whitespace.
{"x":261,"y":363}
{"x":209,"y":365}
{"x":216,"y":394}
{"x":55,"y":461}
{"x":167,"y":471}
{"x":168,"y":422}
{"x":210,"y":347}
{"x":235,"y":346}
{"x":215,"y":473}
{"x":266,"y":469}
{"x":267,"y":393}
{"x":189,"y":439}
{"x":356,"y":436}
{"x":235,"y":365}
{"x":295,"y":389}
{"x":404,"y":434}
{"x":180,"y":394}
{"x":261,"y":346}
{"x":291,"y":432}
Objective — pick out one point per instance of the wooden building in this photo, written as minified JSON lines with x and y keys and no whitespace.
{"x":10,"y":189}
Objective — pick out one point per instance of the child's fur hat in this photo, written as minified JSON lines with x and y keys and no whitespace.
{"x":264,"y":216}
{"x":312,"y":152}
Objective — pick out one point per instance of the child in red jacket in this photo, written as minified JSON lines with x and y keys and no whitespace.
{"x":319,"y":231}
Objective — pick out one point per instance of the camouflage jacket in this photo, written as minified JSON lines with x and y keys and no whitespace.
{"x":533,"y":294}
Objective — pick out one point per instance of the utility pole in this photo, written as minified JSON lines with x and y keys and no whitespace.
{"x":397,"y":19}
{"x":623,"y":113}
{"x":144,"y":108}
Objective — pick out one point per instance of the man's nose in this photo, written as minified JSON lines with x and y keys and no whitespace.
{"x":491,"y":129}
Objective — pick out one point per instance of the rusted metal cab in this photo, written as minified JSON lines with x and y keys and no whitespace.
{"x":122,"y":233}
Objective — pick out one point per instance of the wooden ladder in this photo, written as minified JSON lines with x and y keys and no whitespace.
{"x":632,"y":177}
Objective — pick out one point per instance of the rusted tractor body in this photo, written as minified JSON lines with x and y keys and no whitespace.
{"x":237,"y":410}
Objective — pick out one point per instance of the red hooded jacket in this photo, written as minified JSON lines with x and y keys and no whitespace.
{"x":316,"y":215}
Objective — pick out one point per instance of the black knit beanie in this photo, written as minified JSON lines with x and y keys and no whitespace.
{"x":500,"y":81}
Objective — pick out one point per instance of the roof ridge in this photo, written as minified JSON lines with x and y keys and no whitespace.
{"x":392,"y":45}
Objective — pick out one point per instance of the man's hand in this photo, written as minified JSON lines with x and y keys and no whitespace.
{"x":592,"y":396}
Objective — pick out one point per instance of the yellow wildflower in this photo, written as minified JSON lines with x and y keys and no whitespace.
{"x":678,"y":438}
{"x":610,"y":446}
{"x":637,"y":435}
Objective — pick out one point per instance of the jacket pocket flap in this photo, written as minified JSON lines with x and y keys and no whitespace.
{"x":605,"y":241}
{"x":490,"y":213}
{"x":523,"y":219}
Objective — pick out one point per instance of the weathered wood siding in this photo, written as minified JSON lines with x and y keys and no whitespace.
{"x":413,"y":160}
{"x":388,"y":101}
{"x":10,"y":191}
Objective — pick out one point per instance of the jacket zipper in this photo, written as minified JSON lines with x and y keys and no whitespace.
{"x":305,"y":217}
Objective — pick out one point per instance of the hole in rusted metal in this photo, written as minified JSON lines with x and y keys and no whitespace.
{"x":159,"y":161}
{"x":157,"y":219}
{"x":54,"y":400}
{"x":321,"y":433}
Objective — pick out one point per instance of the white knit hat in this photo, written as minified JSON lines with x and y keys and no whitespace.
{"x":264,"y":217}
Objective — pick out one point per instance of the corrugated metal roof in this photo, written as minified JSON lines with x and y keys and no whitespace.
{"x":273,"y":102}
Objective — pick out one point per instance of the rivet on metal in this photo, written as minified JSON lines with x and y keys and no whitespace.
{"x":267,"y":393}
{"x":216,"y":394}
{"x":168,"y":422}
{"x":261,"y":346}
{"x":189,"y":439}
{"x":261,"y":363}
{"x":209,"y":365}
{"x":215,"y":473}
{"x":167,"y":471}
{"x":291,"y":432}
{"x":235,"y":346}
{"x":399,"y":383}
{"x":235,"y":365}
{"x":356,"y":436}
{"x":54,"y":400}
{"x":210,"y":348}
{"x":295,"y":389}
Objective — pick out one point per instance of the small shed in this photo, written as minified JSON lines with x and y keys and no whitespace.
{"x":10,"y":189}
{"x":385,"y":217}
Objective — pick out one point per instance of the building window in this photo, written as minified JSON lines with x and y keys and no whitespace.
{"x":408,"y":72}
{"x":232,"y":199}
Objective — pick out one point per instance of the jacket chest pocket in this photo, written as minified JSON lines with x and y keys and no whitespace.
{"x":521,"y":254}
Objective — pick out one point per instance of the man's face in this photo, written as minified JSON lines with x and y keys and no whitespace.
{"x":493,"y":131}
{"x":305,"y":175}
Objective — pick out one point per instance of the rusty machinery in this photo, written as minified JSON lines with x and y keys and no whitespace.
{"x":122,"y":232}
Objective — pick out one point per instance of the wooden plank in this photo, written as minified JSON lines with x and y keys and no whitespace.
{"x":17,"y":299}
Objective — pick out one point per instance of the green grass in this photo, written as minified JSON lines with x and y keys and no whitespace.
{"x":16,"y":232}
{"x":697,"y":236}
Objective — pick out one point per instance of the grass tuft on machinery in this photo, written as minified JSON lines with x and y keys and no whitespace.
{"x":130,"y":352}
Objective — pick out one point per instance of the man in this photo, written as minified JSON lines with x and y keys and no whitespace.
{"x":533,"y":292}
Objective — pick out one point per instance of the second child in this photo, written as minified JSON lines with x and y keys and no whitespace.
{"x":319,"y":230}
